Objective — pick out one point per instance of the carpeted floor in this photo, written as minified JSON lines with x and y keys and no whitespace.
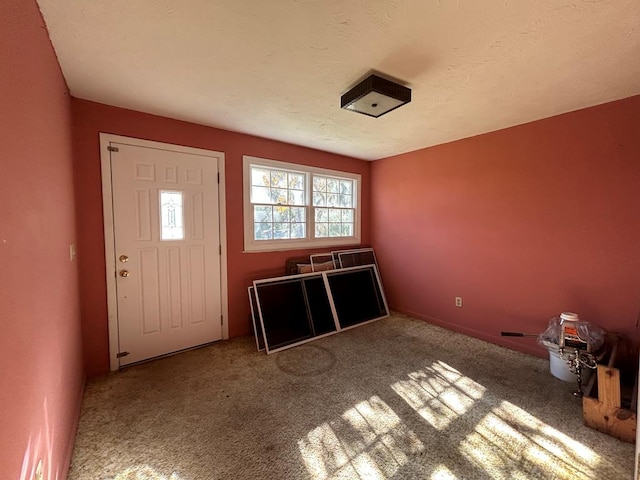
{"x":397,"y":398}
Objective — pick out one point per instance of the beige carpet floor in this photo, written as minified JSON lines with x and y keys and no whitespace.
{"x":394,"y":399}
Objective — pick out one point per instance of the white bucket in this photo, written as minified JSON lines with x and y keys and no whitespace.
{"x":559,"y":366}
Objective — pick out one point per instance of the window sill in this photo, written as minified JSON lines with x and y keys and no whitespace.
{"x":271,"y":246}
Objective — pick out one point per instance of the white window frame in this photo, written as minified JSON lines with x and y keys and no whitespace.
{"x":251,"y":245}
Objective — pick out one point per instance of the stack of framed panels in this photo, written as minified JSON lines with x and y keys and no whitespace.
{"x":292,"y":310}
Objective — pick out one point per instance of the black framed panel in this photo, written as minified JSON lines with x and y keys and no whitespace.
{"x":255,"y":317}
{"x":322,"y":261}
{"x":356,"y":257}
{"x":283,"y":312}
{"x":322,"y":320}
{"x":293,"y":310}
{"x":357,"y":295}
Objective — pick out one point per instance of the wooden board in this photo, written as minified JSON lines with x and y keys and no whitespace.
{"x":609,"y":386}
{"x":617,"y":422}
{"x":602,"y":406}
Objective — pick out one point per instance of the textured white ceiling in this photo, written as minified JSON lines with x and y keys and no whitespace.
{"x":277,"y":68}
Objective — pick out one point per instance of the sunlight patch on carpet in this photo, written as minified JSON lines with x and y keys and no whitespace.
{"x":367,"y":441}
{"x":510,"y":443}
{"x":439,"y":393}
{"x":442,"y":473}
{"x":144,"y":472}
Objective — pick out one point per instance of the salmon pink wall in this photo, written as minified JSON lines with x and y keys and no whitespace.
{"x":523,"y":223}
{"x":92,"y":118}
{"x":41,"y":379}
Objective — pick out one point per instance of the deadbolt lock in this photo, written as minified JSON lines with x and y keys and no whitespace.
{"x":123,"y":258}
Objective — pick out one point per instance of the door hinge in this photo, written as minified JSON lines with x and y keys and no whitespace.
{"x":219,"y":249}
{"x":218,"y":177}
{"x":122,"y":354}
{"x":221,"y":320}
{"x":112,"y":149}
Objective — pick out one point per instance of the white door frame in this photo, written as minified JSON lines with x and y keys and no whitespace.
{"x":109,"y":241}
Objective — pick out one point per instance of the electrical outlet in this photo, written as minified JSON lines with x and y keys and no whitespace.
{"x":72,"y":252}
{"x":459,"y":302}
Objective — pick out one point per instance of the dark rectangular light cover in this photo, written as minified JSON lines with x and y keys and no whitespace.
{"x":375,"y":96}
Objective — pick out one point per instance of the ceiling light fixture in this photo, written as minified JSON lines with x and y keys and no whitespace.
{"x":375,"y":96}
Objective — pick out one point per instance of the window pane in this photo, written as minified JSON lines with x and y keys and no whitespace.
{"x":319,"y":199}
{"x":332,"y":185}
{"x":260,"y":195}
{"x":296,"y":197}
{"x":297,"y":214}
{"x":280,"y":188}
{"x":322,"y":230}
{"x":262,"y":231}
{"x":280,"y":230}
{"x":281,"y":214}
{"x":278,"y":222}
{"x":262,"y":213}
{"x":296,"y":181}
{"x":171,"y":216}
{"x":322,"y":184}
{"x":260,"y":176}
{"x":346,"y":187}
{"x":322,"y":215}
{"x":333,"y":192}
{"x":334,"y":230}
{"x":298,"y":230}
{"x":334,"y":222}
{"x":279,"y":196}
{"x":319,"y":184}
{"x":277,"y":186}
{"x":278,"y":178}
{"x":346,"y":201}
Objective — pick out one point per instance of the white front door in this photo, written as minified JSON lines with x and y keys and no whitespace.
{"x":166,"y":250}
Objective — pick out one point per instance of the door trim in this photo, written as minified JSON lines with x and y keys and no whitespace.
{"x":109,"y":240}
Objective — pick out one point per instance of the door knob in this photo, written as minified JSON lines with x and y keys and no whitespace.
{"x":123,"y":258}
{"x":124,"y":273}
